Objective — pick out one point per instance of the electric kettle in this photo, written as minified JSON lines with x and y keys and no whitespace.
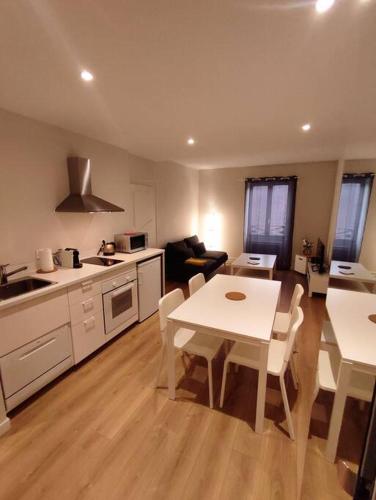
{"x":107,"y":248}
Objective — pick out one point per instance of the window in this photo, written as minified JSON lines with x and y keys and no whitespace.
{"x":352,"y":215}
{"x":269,"y":216}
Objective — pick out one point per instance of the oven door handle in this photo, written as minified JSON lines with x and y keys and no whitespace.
{"x":122,"y":289}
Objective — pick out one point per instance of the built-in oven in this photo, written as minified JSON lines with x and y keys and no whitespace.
{"x":120,"y":302}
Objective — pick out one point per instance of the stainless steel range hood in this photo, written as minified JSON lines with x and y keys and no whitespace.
{"x":81,"y":198}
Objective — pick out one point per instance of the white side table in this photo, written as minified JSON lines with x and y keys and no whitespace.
{"x":317,"y":282}
{"x":301,"y":264}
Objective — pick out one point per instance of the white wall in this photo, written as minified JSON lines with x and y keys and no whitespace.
{"x":222,"y":193}
{"x":177,"y":202}
{"x":34,"y":179}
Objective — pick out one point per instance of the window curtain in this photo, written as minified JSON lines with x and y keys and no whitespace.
{"x":269,"y":217}
{"x":352,"y":215}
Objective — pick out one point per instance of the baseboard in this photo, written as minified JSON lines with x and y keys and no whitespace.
{"x":4,"y":426}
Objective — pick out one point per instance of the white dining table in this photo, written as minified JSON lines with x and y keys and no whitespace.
{"x":353,"y":271}
{"x":356,"y":337}
{"x":249,"y":320}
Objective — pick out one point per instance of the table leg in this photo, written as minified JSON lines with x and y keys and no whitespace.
{"x":338,"y":409}
{"x":261,"y":388}
{"x":171,"y":329}
{"x":232,"y":269}
{"x":270,"y":274}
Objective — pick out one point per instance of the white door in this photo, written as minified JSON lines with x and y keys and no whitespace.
{"x":144,"y":213}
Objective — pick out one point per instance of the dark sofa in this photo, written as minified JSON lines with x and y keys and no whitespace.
{"x":177,"y":253}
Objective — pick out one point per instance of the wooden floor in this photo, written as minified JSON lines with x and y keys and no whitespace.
{"x":103,"y":431}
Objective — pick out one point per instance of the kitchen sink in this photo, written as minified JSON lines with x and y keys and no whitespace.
{"x":21,"y":286}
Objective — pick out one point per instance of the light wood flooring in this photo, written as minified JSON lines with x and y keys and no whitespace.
{"x":102,"y":431}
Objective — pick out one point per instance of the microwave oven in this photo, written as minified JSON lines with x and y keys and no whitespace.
{"x":131,"y":242}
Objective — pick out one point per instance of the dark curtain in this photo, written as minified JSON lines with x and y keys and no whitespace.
{"x":352,"y":215}
{"x":269,"y":217}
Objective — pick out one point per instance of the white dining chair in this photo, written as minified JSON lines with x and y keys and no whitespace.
{"x":186,"y":340}
{"x":195,"y":283}
{"x":329,"y":360}
{"x":328,"y":337}
{"x":373,"y":289}
{"x":282,"y":320}
{"x":279,"y":356}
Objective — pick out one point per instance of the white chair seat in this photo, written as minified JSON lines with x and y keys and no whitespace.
{"x":248,"y":355}
{"x":281,"y":322}
{"x":182,"y":337}
{"x":327,"y":335}
{"x":204,"y":345}
{"x":361,"y":384}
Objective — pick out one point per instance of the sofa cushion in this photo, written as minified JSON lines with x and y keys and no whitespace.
{"x":215,"y":255}
{"x":199,"y":249}
{"x":178,"y":250}
{"x":191,"y":241}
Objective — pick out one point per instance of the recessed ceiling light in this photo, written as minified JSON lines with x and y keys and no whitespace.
{"x":86,"y":75}
{"x":306,"y":127}
{"x":324,"y":5}
{"x":191,"y":141}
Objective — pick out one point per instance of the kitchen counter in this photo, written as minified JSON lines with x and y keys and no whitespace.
{"x":65,"y":277}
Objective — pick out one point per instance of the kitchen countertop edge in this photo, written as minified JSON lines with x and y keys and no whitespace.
{"x":91,"y":271}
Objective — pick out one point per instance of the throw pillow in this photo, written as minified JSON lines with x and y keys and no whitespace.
{"x":191,"y":241}
{"x":199,"y":249}
{"x":196,"y":262}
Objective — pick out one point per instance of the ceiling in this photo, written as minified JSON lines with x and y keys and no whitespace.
{"x":240,"y":76}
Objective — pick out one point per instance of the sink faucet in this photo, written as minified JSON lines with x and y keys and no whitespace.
{"x":4,"y":275}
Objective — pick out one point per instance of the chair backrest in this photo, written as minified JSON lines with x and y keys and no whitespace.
{"x":295,"y":322}
{"x":195,"y":283}
{"x":166,"y":305}
{"x":296,"y":297}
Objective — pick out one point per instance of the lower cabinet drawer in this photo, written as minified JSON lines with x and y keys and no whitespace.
{"x":84,"y":290}
{"x":88,"y":336}
{"x":24,"y":365}
{"x":37,"y":384}
{"x":85,"y":309}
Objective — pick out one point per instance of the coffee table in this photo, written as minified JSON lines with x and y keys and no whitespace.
{"x":255,"y":261}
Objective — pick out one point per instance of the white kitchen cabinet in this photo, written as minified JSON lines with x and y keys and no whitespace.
{"x":21,"y":369}
{"x":87,"y":336}
{"x":35,"y":346}
{"x":26,"y":322}
{"x":84,"y":309}
{"x":86,"y":313}
{"x":4,"y":420}
{"x":84,"y":290}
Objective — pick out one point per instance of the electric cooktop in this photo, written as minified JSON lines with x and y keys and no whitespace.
{"x":101,"y":261}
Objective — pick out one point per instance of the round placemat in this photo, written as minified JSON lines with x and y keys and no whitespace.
{"x":235,"y":296}
{"x":344,"y":267}
{"x":254,"y":258}
{"x":372,"y":317}
{"x":253,"y":263}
